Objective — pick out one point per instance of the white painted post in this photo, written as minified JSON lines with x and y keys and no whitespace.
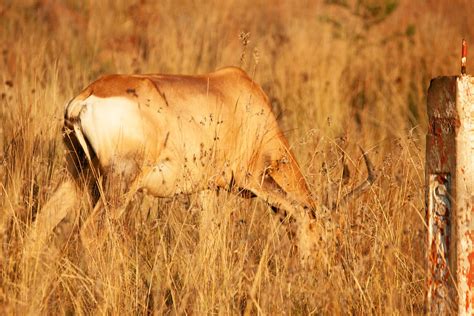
{"x":450,"y":194}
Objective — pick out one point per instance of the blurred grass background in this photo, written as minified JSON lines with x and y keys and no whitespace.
{"x":339,"y":73}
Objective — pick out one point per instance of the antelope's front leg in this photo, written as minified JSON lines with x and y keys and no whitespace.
{"x":307,"y":237}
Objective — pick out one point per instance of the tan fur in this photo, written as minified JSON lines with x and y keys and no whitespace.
{"x":170,"y":134}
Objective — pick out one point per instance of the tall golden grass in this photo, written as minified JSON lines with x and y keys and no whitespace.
{"x":340,"y":73}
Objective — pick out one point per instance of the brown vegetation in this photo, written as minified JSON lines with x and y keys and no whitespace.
{"x":340,"y":73}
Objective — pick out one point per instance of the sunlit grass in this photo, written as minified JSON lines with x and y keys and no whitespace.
{"x":338,"y":75}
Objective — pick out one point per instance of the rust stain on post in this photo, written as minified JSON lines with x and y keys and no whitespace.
{"x":439,"y":224}
{"x":470,"y":281}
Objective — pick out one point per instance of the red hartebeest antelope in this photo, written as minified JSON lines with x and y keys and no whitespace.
{"x":171,"y":134}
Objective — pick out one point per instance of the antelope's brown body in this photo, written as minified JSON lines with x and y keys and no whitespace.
{"x":171,"y":134}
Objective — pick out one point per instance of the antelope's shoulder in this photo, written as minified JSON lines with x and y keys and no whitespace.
{"x":231,"y":72}
{"x":236,"y":81}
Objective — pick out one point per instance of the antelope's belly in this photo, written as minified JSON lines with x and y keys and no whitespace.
{"x":181,"y":170}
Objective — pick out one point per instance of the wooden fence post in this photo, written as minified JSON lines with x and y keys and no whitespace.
{"x":450,"y":195}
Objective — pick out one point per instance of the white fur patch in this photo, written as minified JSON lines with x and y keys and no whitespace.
{"x":106,"y":121}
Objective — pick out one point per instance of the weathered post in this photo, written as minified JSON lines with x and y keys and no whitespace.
{"x":450,"y":193}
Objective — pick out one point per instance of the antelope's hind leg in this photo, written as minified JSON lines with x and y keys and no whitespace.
{"x":117,"y":188}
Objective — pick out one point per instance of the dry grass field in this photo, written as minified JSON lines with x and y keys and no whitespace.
{"x":339,"y":73}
